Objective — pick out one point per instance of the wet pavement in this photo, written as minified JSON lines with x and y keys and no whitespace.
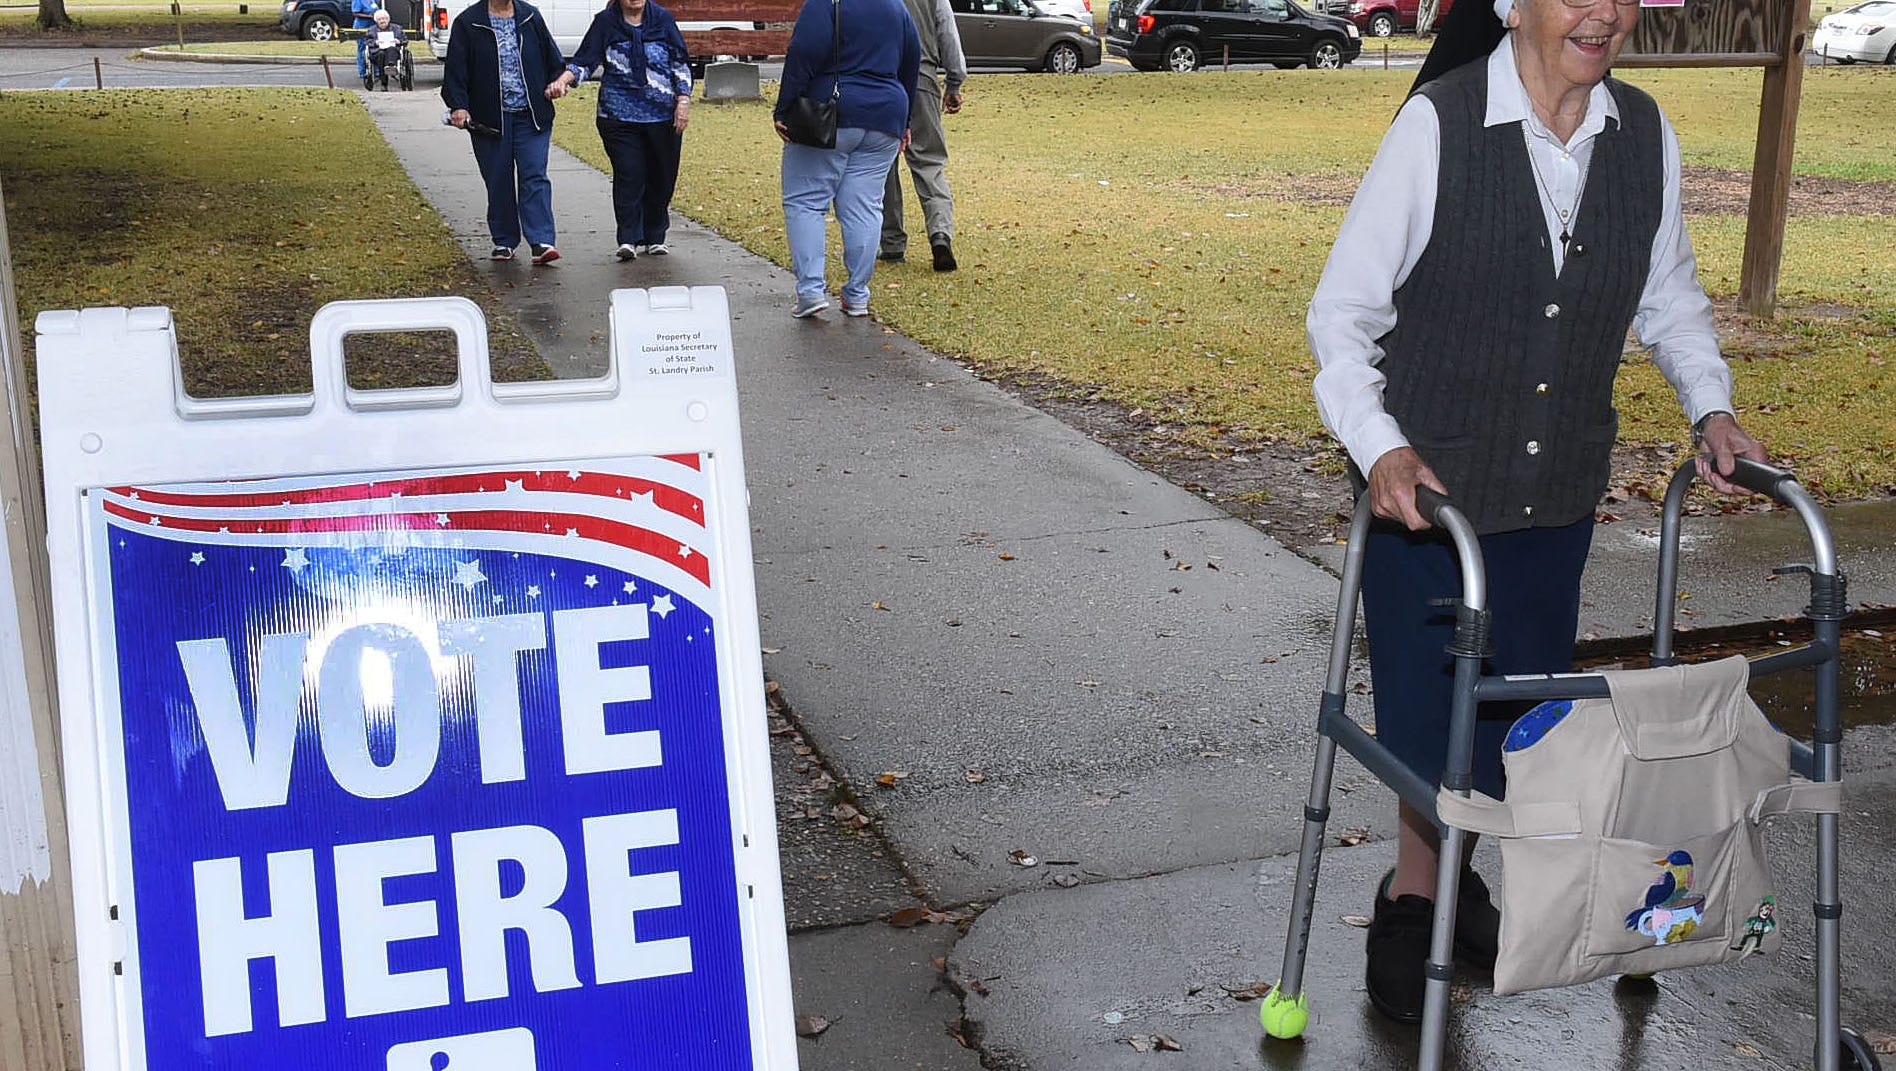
{"x":1099,"y":691}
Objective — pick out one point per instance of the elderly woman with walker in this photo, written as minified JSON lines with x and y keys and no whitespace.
{"x":1520,"y":216}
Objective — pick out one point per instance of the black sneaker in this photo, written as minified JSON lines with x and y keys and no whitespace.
{"x":1398,"y":946}
{"x":1477,"y":923}
{"x":893,"y":256}
{"x":544,"y":254}
{"x":501,"y":252}
{"x":944,"y":252}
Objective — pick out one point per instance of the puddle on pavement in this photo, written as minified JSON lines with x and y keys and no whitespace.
{"x":1866,"y":679}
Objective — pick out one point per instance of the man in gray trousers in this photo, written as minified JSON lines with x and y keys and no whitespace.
{"x":942,"y":61}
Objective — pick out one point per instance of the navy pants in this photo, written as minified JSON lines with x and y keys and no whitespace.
{"x":644,"y":175}
{"x":519,"y":195}
{"x":1534,"y":597}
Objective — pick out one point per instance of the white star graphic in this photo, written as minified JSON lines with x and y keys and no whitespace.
{"x":651,"y":498}
{"x":572,"y":474}
{"x":516,"y":485}
{"x":533,"y":591}
{"x":295,"y":560}
{"x":629,"y":587}
{"x":662,"y":606}
{"x":497,"y":600}
{"x":592,"y":581}
{"x":684,"y":551}
{"x":197,"y":557}
{"x":441,"y":520}
{"x":572,"y":533}
{"x":468,"y":574}
{"x":157,"y":520}
{"x":133,"y":496}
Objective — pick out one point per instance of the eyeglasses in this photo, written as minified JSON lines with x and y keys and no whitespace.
{"x":1590,"y":3}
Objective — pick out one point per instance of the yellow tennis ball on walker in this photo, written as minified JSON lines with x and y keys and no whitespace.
{"x":1282,"y":1017}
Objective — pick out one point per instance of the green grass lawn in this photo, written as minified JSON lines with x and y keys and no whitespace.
{"x":244,"y":211}
{"x":1172,"y":271}
{"x":154,"y":22}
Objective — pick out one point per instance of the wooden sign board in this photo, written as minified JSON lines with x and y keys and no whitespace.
{"x":769,"y":34}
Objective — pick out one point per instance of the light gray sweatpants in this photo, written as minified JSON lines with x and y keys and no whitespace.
{"x":928,"y":162}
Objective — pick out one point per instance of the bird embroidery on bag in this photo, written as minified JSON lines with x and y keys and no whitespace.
{"x":1672,"y":911}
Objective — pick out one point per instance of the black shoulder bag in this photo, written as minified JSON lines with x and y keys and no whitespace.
{"x":813,"y":122}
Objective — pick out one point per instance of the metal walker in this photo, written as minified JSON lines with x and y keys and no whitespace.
{"x":1285,"y":1011}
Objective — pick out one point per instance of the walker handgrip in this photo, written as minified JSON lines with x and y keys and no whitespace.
{"x":1429,"y":503}
{"x":1757,"y":476}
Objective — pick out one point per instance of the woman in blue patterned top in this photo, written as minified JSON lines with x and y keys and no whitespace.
{"x":499,"y":75}
{"x":644,"y":107}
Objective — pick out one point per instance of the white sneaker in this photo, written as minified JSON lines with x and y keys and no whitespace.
{"x":656,"y":249}
{"x":850,"y":308}
{"x":626,"y":252}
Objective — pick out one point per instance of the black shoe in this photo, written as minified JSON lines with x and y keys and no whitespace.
{"x":1398,"y":946}
{"x":1477,"y":923}
{"x":944,"y":252}
{"x":501,"y":252}
{"x":893,"y":256}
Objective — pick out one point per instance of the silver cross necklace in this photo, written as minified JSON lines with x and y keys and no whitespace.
{"x":1567,"y":214}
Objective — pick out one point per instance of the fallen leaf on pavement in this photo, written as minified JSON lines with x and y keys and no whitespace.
{"x":975,"y":777}
{"x":877,"y":606}
{"x":1065,"y":881}
{"x":1006,"y":557}
{"x":1358,"y":921}
{"x":1140,"y":1044}
{"x":809,"y":1026}
{"x":1165,"y":1043}
{"x":1745,"y":1048}
{"x":1353,"y":836}
{"x":1881,"y":1042}
{"x":1021,"y":858}
{"x":908,"y":917}
{"x":888,"y":779}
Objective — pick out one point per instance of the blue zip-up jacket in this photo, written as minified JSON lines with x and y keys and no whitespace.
{"x":470,"y":76}
{"x":879,"y":61}
{"x":628,"y":55}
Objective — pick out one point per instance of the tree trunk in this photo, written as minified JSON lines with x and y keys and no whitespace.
{"x":52,"y":15}
{"x":1424,"y":17}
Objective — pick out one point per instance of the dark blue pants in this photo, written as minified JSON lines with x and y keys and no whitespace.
{"x":644,"y":175}
{"x":519,"y":195}
{"x":1534,"y":595}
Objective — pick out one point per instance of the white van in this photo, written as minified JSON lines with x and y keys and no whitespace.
{"x":569,"y":20}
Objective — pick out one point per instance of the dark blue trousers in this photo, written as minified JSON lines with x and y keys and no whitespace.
{"x":644,"y":175}
{"x":519,"y":195}
{"x":1534,"y":596}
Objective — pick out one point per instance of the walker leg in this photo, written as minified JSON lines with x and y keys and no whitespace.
{"x":1828,"y":739}
{"x":1286,"y":1009}
{"x":1439,"y":971}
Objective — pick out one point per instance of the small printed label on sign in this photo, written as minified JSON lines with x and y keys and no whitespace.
{"x":679,"y":352}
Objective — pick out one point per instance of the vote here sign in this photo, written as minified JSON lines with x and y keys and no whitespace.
{"x":426,"y":769}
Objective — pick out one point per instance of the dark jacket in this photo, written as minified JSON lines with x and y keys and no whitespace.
{"x":877,"y":63}
{"x":470,"y":77}
{"x":610,"y":28}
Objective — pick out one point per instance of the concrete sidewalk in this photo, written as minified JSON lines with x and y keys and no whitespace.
{"x":1073,"y":662}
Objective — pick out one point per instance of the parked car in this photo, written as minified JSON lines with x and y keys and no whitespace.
{"x":324,"y":20}
{"x":1183,"y":35}
{"x":1020,"y":33}
{"x":1865,"y":32}
{"x":1382,"y":18}
{"x":567,"y":19}
{"x":1077,"y":10}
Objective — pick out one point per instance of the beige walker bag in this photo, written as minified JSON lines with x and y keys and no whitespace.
{"x":1630,"y":838}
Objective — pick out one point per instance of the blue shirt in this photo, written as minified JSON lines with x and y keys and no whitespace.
{"x":651,"y":100}
{"x":513,"y":83}
{"x":364,"y":12}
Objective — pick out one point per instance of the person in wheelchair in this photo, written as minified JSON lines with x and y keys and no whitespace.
{"x":388,"y":53}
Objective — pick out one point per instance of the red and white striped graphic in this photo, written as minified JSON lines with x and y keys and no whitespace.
{"x":643,"y":515}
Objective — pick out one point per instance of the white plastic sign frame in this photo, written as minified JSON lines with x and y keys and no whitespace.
{"x":115,"y":419}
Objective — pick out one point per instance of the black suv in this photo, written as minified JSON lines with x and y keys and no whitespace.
{"x":1183,"y":35}
{"x":323,"y":20}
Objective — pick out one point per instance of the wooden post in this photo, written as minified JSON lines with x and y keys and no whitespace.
{"x":39,"y":1003}
{"x":98,"y":73}
{"x":1771,"y":167}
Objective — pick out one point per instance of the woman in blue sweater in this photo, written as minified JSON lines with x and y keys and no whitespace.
{"x":873,"y":73}
{"x":644,"y":106}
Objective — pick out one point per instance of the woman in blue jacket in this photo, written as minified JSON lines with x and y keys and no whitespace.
{"x":500,"y":74}
{"x":644,"y":107}
{"x":873,"y":73}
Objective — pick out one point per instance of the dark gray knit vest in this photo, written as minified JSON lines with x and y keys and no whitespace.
{"x":1500,"y":373}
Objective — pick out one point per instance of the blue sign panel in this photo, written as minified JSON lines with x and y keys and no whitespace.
{"x":425,"y":771}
